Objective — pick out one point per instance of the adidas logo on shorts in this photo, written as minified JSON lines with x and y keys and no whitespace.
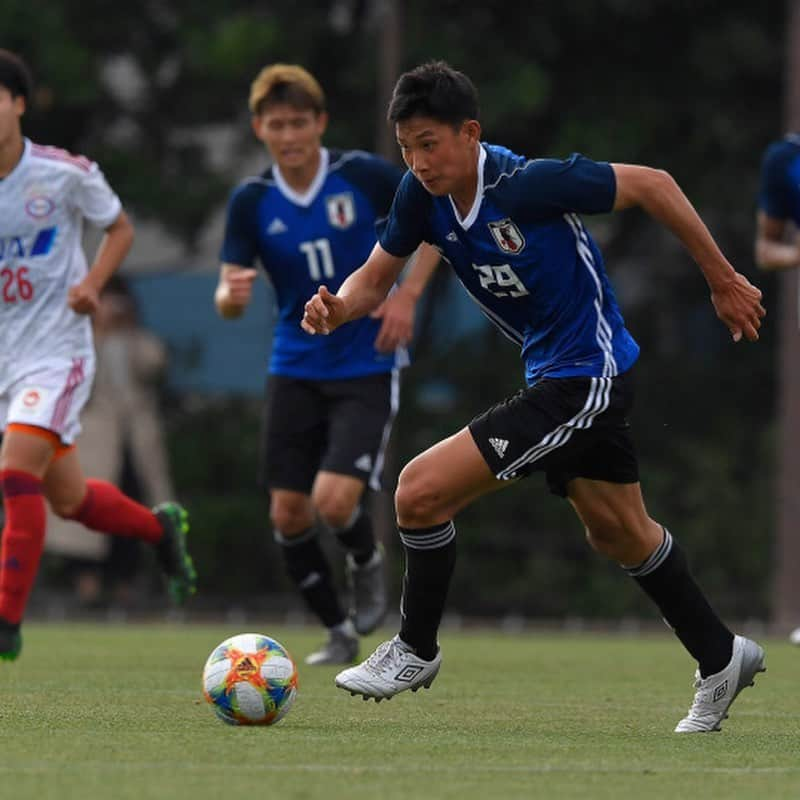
{"x":499,"y":445}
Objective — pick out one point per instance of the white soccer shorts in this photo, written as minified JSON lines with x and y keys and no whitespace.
{"x":49,"y":395}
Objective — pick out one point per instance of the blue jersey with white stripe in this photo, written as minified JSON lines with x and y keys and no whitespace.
{"x":779,"y":195}
{"x":306,"y":240}
{"x":526,"y":259}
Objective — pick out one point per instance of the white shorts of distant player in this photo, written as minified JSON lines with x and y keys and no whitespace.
{"x":49,"y":394}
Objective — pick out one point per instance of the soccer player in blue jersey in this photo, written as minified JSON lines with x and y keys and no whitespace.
{"x":510,"y":228}
{"x":778,"y":218}
{"x":310,"y":219}
{"x":777,"y":245}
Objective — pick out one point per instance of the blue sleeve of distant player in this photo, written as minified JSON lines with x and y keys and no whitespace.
{"x":773,"y":196}
{"x":377,"y":178}
{"x":240,"y":244}
{"x":401,"y":232}
{"x":548,"y":187}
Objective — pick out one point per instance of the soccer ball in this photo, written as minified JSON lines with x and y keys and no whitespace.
{"x":250,"y":679}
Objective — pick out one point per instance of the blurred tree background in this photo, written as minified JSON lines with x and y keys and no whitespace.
{"x":692,"y":86}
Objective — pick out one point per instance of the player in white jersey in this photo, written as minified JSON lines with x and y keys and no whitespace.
{"x":47,"y":294}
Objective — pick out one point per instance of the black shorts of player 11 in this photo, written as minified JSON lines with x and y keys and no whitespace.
{"x":484,"y":207}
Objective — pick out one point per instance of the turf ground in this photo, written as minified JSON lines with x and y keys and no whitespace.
{"x":95,"y":712}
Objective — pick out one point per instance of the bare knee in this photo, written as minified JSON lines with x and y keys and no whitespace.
{"x":336,"y":512}
{"x":417,"y":501}
{"x":290,"y":516}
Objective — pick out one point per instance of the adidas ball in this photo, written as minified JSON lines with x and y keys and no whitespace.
{"x":250,"y":679}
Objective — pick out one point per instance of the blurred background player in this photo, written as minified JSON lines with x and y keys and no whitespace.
{"x":309,"y":219}
{"x":47,"y":360}
{"x":510,"y":228}
{"x":778,"y":217}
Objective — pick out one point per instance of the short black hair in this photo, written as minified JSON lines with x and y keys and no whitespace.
{"x":15,"y":75}
{"x":434,"y":90}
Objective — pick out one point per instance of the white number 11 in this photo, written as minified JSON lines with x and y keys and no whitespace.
{"x":318,"y":253}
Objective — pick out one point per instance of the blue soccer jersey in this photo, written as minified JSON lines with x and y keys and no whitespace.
{"x":316,"y":238}
{"x":526,"y":259}
{"x":779,"y":195}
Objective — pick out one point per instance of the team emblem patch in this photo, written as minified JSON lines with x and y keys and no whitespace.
{"x":507,"y":235}
{"x":39,"y":206}
{"x":341,"y":210}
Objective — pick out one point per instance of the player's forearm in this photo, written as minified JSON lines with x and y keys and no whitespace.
{"x":362,"y":293}
{"x":366,"y":288}
{"x":114,"y":246}
{"x":771,"y":255}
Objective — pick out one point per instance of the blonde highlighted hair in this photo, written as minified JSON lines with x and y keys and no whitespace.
{"x":286,"y":83}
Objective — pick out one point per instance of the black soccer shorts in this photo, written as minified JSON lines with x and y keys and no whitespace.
{"x":566,"y":427}
{"x":339,"y":426}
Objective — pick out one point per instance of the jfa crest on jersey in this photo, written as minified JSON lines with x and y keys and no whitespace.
{"x":507,"y":236}
{"x":341,"y":210}
{"x":306,"y":239}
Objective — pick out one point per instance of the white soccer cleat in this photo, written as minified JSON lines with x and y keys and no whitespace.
{"x":391,"y":669}
{"x":716,"y":692}
{"x":794,"y":636}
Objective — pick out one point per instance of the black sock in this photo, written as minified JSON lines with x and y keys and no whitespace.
{"x":665,"y":577}
{"x":430,"y":559}
{"x":308,"y":568}
{"x":358,"y":539}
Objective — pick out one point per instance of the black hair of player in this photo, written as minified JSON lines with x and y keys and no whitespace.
{"x":15,"y":75}
{"x":434,"y":90}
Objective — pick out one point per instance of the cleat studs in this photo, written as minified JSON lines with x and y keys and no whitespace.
{"x":352,"y":694}
{"x":364,"y":698}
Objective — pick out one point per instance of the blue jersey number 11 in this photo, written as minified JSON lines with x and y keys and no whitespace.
{"x":319,"y":258}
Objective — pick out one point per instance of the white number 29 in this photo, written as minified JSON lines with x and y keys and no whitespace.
{"x":500,"y":280}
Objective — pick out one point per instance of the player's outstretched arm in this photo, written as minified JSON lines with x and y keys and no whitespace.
{"x":362,"y":291}
{"x":736,"y":301}
{"x":773,"y":251}
{"x":84,"y":297}
{"x":234,"y":290}
{"x":397,"y":311}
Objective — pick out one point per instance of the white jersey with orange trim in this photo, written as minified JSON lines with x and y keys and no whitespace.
{"x":43,"y":204}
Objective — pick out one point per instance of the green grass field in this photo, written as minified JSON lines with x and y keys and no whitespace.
{"x":92,"y":712}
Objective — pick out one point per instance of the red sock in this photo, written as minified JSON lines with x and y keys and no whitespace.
{"x":107,"y":510}
{"x":23,"y":540}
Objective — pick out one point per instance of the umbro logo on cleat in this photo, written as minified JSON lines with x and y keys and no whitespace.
{"x":408,"y":673}
{"x":499,"y":445}
{"x":276,"y":226}
{"x":720,"y":691}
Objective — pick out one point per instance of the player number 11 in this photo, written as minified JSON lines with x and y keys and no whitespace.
{"x":319,"y":258}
